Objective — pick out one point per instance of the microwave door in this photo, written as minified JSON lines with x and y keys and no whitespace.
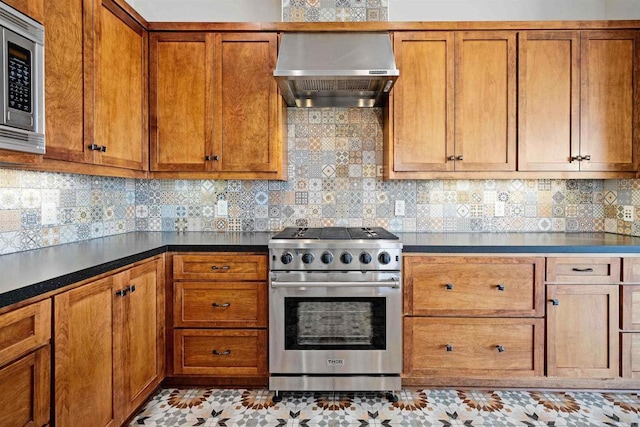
{"x":19,"y":92}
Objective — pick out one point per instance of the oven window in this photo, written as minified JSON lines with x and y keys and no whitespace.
{"x":335,"y":323}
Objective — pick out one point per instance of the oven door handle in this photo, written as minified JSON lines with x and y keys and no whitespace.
{"x":394,"y":284}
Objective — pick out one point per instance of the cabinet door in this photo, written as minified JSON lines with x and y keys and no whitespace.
{"x":120,"y":88}
{"x":181,"y":99}
{"x":25,"y":390}
{"x":609,"y":116}
{"x":83,"y":367}
{"x":582,"y":331}
{"x":423,"y":102}
{"x":549,"y":100}
{"x":139,"y":341}
{"x":485,"y":101}
{"x":246,"y":134}
{"x":68,"y":88}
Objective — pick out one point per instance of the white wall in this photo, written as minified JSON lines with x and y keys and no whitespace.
{"x":511,"y":10}
{"x":209,"y":10}
{"x":399,"y":10}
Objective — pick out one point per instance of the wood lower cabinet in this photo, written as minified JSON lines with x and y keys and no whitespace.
{"x":631,"y":356}
{"x":220,"y":116}
{"x":583,"y":331}
{"x":219,"y":326}
{"x":225,"y":352}
{"x":473,"y":347}
{"x":25,"y":390}
{"x":473,"y":318}
{"x":109,"y":346}
{"x":25,"y":365}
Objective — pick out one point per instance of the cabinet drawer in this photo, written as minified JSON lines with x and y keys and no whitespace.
{"x":25,"y":390}
{"x":630,"y":308}
{"x":220,"y":304}
{"x":224,"y":352}
{"x":24,"y":329}
{"x":225,"y":267}
{"x":583,"y":270}
{"x":464,"y":347}
{"x":631,"y":355}
{"x":474,"y":286}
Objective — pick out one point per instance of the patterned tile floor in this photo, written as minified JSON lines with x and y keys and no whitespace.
{"x":415,"y":407}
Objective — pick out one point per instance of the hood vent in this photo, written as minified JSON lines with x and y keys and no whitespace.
{"x":335,"y":69}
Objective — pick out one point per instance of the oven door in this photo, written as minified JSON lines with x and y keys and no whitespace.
{"x":335,"y":323}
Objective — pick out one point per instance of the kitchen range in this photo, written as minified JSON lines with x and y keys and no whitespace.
{"x":335,"y":310}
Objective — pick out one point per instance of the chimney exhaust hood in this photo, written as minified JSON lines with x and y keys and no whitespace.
{"x":335,"y":69}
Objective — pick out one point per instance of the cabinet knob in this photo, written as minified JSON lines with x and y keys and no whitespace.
{"x":500,"y":287}
{"x":224,"y":353}
{"x":122,"y":292}
{"x":448,"y":347}
{"x":207,"y":158}
{"x":587,"y":157}
{"x":577,"y":158}
{"x":93,"y":147}
{"x":554,"y":302}
{"x":460,"y":158}
{"x":132,"y":288}
{"x":500,"y":348}
{"x":103,"y":148}
{"x":452,"y":158}
{"x":449,"y":286}
{"x":224,"y":267}
{"x":215,"y":158}
{"x":226,"y":304}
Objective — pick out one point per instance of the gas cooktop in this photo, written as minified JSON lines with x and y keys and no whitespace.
{"x":336,"y":233}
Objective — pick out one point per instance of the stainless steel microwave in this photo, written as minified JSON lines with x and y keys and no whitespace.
{"x":21,"y":82}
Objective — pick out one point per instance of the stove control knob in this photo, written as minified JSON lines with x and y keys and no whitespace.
{"x":327,"y":257}
{"x":286,"y":258}
{"x":365,"y":258}
{"x":346,"y":258}
{"x":307,"y":258}
{"x":384,"y":258}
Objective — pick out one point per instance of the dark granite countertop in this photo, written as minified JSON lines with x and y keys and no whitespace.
{"x":28,"y":274}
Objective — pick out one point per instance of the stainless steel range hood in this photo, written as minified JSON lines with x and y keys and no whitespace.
{"x":335,"y":69}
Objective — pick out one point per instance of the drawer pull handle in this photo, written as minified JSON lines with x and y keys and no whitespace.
{"x":500,"y":287}
{"x":500,"y":348}
{"x":583,"y":270}
{"x":449,"y":286}
{"x":448,"y":347}
{"x":224,"y":267}
{"x":555,"y":302}
{"x":226,"y":304}
{"x":224,"y":353}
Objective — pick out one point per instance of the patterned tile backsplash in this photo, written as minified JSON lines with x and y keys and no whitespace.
{"x":334,"y":10}
{"x":334,"y":158}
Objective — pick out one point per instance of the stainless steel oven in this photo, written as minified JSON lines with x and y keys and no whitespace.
{"x":335,"y":319}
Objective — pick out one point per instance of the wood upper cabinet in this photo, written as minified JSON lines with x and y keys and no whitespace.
{"x":422,"y":101}
{"x":181,"y":100}
{"x":578,"y":101}
{"x":31,"y":8}
{"x":221,"y":116}
{"x":109,"y":346}
{"x":582,"y":331}
{"x":548,"y":100}
{"x":96,"y":87}
{"x":454,"y":105}
{"x":610,"y":106}
{"x":120,"y":127}
{"x":485,"y":101}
